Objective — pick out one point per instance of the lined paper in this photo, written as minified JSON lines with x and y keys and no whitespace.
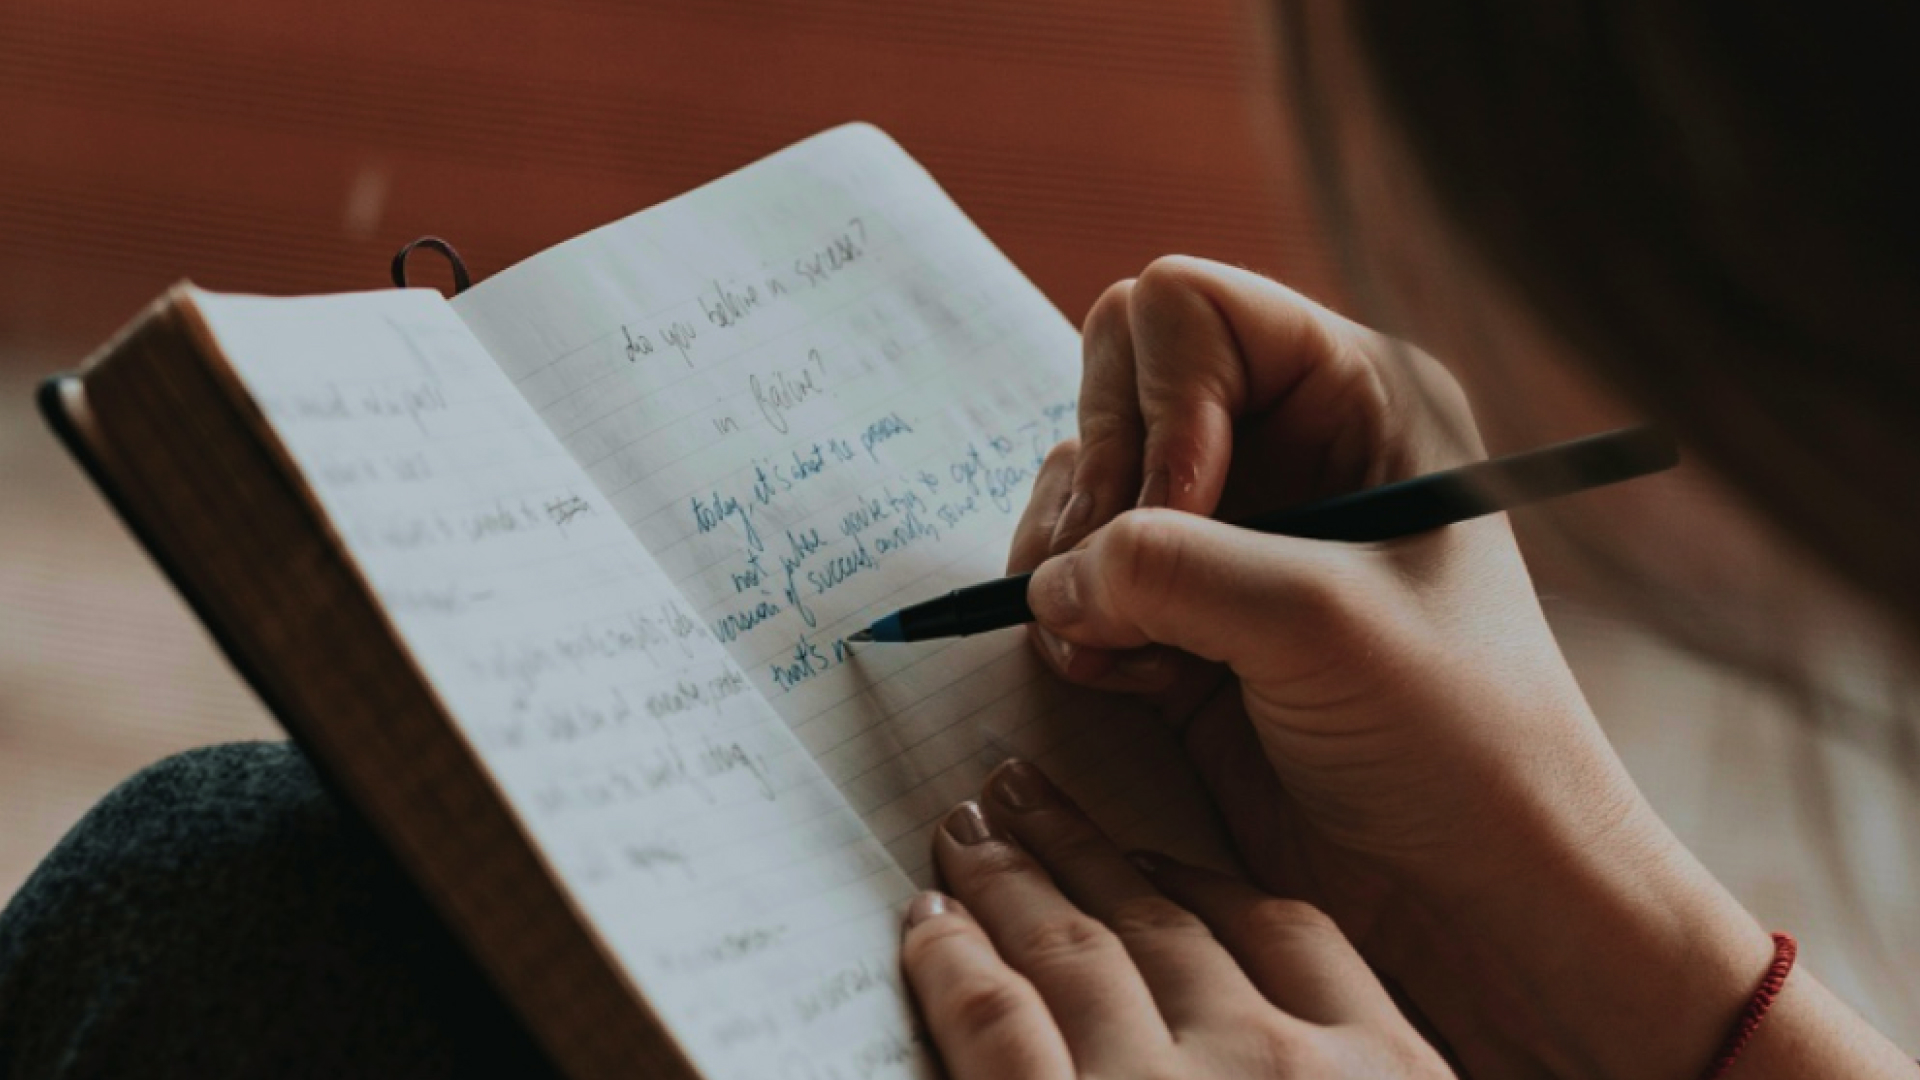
{"x":716,"y":861}
{"x":816,"y":393}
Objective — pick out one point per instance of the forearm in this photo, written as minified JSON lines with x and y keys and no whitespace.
{"x":1618,"y":955}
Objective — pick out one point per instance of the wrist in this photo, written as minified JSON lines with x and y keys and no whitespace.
{"x":1811,"y":1033}
{"x":1592,"y":943}
{"x":1589,"y":977}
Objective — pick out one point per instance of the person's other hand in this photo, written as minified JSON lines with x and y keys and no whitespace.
{"x":1390,"y":730}
{"x":1068,"y":960}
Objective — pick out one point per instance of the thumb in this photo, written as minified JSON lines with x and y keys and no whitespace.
{"x":1259,"y":603}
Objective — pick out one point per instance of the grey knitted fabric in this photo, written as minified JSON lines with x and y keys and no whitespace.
{"x":219,"y":915}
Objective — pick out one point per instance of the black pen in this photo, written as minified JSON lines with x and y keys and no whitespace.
{"x":1387,"y":512}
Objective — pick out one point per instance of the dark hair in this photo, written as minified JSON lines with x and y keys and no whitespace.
{"x":1717,"y":204}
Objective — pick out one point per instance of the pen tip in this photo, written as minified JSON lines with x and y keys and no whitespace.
{"x":860,"y":637}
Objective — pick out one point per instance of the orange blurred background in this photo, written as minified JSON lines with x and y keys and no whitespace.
{"x":292,"y":147}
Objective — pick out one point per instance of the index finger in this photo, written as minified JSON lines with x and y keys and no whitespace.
{"x":1082,"y":970}
{"x":1213,"y":343}
{"x":987,"y":1020}
{"x":1106,"y":474}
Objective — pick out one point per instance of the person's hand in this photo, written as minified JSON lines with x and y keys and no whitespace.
{"x":1390,"y":730}
{"x":1068,"y":960}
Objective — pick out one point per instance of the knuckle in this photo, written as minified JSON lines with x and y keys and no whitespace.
{"x":1423,"y":376}
{"x":1409,"y":1055}
{"x":1149,"y":916}
{"x":1165,"y":1067}
{"x":1323,"y":599}
{"x":1447,"y":393}
{"x":1170,"y":300}
{"x":1169,"y":279}
{"x":1408,"y":397}
{"x":1286,"y":1050}
{"x":1067,"y":840}
{"x":1104,"y":432}
{"x":1364,"y":360}
{"x":929,"y":942}
{"x":1065,"y":454}
{"x":1145,"y":556}
{"x":1278,"y":918}
{"x":1341,"y":598}
{"x":1062,"y":941}
{"x":980,"y":1004}
{"x":1109,"y":310}
{"x":983,"y":868}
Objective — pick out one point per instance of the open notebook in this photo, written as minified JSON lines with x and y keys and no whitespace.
{"x":552,"y":579}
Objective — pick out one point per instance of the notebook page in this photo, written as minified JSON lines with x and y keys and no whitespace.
{"x":711,"y":855}
{"x":817,"y":393}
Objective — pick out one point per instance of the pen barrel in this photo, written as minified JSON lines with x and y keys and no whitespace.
{"x":976,"y":609}
{"x":1380,"y":513}
{"x":1394,"y":510}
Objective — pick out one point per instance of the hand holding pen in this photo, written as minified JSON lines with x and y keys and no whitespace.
{"x":1387,"y":512}
{"x":1388,"y":730}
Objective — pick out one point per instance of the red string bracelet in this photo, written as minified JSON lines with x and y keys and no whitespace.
{"x":1784,"y":950}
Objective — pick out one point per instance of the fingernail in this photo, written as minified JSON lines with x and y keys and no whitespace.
{"x":926,"y":906}
{"x":968,"y":826}
{"x":1054,"y":592}
{"x":1020,"y":786}
{"x":1147,"y":862}
{"x":1154,"y":491}
{"x":1073,"y":521}
{"x":1061,"y":651}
